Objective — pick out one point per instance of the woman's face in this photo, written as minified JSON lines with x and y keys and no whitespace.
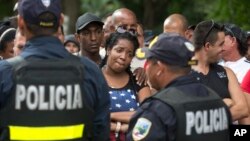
{"x":8,"y":51}
{"x":120,"y":56}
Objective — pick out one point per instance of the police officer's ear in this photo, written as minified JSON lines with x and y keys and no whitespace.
{"x":161,"y":68}
{"x":21,"y":24}
{"x":61,"y":19}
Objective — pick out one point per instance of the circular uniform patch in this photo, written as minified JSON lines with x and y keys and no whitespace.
{"x":141,"y":129}
{"x":189,"y":46}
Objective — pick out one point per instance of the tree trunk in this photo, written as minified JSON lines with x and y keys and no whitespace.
{"x":154,"y":11}
{"x":71,"y":10}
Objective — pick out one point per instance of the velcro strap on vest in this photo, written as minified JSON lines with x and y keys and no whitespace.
{"x":26,"y":133}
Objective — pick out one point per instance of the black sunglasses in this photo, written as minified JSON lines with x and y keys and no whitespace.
{"x":123,"y":29}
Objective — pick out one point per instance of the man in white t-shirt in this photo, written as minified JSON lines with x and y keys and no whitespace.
{"x":235,"y":48}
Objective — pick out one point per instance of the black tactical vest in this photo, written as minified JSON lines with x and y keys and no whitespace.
{"x":199,"y":118}
{"x":47,"y":103}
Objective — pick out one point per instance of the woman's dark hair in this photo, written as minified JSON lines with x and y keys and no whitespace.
{"x":7,"y":34}
{"x":206,"y":31}
{"x":113,"y":39}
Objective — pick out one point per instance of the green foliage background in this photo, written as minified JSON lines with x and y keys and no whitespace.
{"x":234,"y":11}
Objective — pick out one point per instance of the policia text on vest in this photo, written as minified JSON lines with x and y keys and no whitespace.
{"x":59,"y":97}
{"x":206,"y":121}
{"x":47,"y":103}
{"x":196,"y":120}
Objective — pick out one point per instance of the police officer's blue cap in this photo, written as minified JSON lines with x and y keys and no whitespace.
{"x":30,"y":10}
{"x":86,"y":19}
{"x":171,"y":49}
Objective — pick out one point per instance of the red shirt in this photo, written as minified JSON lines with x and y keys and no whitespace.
{"x":245,"y":85}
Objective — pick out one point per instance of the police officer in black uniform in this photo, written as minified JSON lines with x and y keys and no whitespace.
{"x":183,"y":108}
{"x":52,"y":108}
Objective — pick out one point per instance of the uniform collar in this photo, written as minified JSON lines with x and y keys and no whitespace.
{"x":44,"y":47}
{"x":182,"y":80}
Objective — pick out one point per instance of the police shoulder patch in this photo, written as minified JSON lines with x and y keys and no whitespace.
{"x":141,"y":128}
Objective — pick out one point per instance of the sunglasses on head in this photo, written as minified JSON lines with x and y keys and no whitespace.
{"x":210,"y":29}
{"x":228,"y":31}
{"x":214,"y":25}
{"x":123,"y":29}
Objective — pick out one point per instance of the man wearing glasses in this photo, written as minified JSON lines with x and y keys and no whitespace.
{"x":124,"y":19}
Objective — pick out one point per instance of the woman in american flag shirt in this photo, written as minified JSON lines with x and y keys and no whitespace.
{"x":125,"y":93}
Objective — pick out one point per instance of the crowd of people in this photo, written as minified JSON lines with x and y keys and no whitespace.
{"x":108,"y":81}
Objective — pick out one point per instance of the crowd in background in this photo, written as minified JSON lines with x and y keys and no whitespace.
{"x":116,"y":43}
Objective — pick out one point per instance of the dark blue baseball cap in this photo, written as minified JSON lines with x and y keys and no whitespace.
{"x":31,"y":10}
{"x":171,"y":49}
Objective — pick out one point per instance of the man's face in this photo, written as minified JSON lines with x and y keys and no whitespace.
{"x":216,"y":49}
{"x":228,"y":47}
{"x":126,"y":21}
{"x":90,"y":38}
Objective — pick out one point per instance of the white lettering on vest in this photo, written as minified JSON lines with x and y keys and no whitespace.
{"x":32,"y":92}
{"x":59,"y":97}
{"x":202,"y":122}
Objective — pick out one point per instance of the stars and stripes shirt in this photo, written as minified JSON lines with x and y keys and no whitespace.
{"x":124,"y":99}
